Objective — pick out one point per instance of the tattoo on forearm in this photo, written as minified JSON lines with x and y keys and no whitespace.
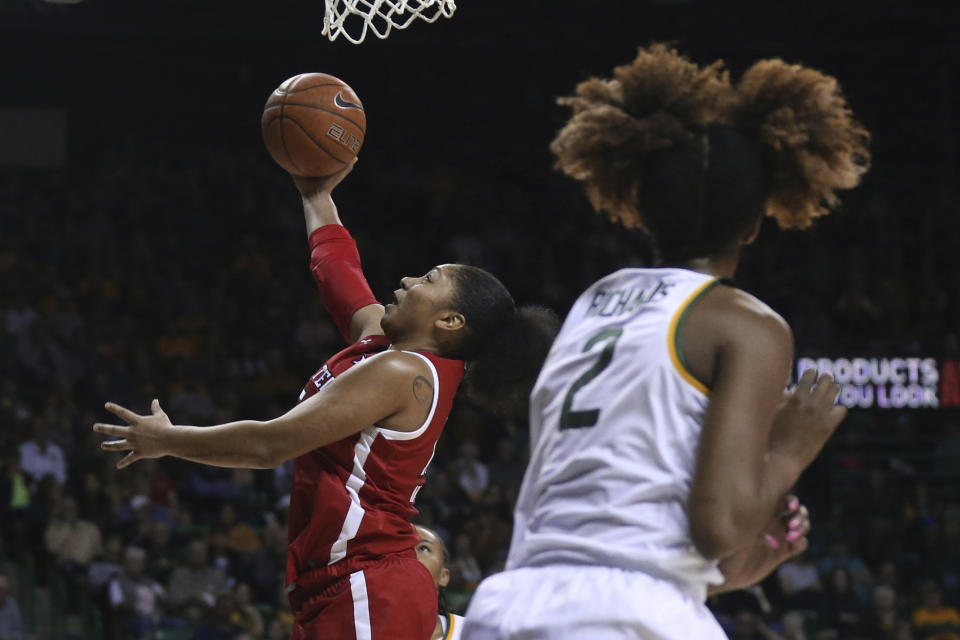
{"x":422,"y":389}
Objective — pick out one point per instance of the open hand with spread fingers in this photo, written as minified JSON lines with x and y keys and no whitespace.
{"x":144,"y":436}
{"x":807,"y":418}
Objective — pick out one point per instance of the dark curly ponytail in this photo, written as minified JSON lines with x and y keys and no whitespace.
{"x":677,"y":149}
{"x":817,"y":147}
{"x":504,"y":346}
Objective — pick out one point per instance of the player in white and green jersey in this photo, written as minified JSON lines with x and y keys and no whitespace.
{"x":663,"y":444}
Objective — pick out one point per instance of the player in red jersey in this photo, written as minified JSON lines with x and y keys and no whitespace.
{"x":365,"y":429}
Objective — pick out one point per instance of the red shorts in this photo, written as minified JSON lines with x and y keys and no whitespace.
{"x":393,"y":598}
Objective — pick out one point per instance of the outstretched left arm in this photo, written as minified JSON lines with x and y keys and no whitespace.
{"x":366,"y":394}
{"x":784,"y":536}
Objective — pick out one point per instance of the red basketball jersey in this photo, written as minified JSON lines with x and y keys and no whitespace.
{"x":354,"y":498}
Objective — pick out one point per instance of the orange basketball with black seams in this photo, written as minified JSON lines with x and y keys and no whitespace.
{"x":313,"y":124}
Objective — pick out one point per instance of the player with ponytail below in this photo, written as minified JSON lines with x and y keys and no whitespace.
{"x":365,"y":428}
{"x":663,"y":442}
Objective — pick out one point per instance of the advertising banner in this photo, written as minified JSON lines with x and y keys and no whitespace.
{"x":871,"y":382}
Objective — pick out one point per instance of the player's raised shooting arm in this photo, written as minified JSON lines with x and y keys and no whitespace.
{"x":335,"y":262}
{"x":385,"y":390}
{"x":319,"y":209}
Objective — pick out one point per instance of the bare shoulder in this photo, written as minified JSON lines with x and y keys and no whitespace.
{"x":740,"y":315}
{"x":402,"y":377}
{"x":408,"y":377}
{"x":729,"y":321}
{"x":399,"y":364}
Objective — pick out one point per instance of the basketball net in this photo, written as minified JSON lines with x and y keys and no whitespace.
{"x":353,"y":18}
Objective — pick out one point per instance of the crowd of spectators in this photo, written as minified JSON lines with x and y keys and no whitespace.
{"x":186,"y":280}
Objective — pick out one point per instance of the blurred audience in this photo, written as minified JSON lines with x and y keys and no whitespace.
{"x":198,"y":582}
{"x":40,"y":457}
{"x":933,"y":619}
{"x":136,"y":600}
{"x":95,"y":309}
{"x":11,"y":624}
{"x":800,"y":583}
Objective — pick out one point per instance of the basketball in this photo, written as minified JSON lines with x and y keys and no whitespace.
{"x":313,"y":125}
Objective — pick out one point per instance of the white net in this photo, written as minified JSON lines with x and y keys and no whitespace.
{"x":353,"y":18}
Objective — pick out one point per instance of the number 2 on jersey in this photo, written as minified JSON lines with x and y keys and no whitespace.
{"x":570,"y":419}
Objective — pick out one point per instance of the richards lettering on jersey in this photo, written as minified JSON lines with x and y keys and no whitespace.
{"x":618,"y":301}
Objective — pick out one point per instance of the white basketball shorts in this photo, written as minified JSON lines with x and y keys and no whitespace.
{"x":585,"y":603}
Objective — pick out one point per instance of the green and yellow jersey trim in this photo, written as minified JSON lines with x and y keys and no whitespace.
{"x":673,"y":335}
{"x":450,"y":623}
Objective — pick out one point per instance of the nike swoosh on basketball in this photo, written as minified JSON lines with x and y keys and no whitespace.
{"x":345,"y":104}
